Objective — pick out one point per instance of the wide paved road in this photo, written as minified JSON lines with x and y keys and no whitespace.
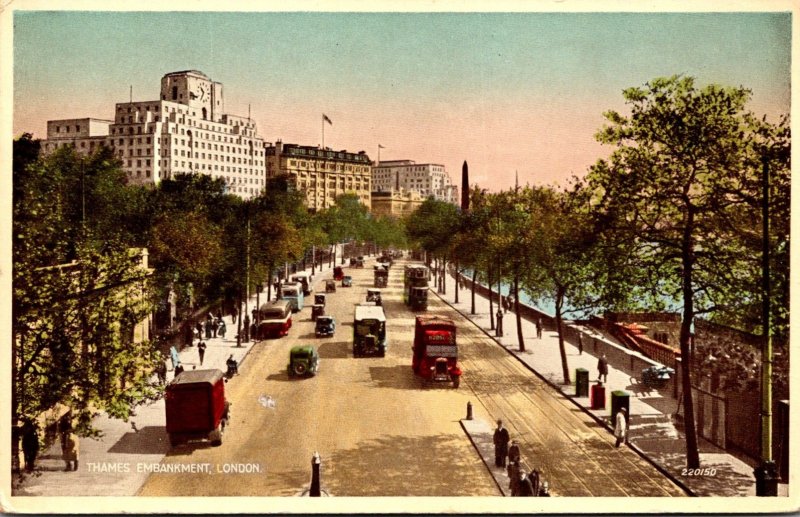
{"x":381,"y":431}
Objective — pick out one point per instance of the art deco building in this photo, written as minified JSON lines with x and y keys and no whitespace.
{"x":427,"y":179}
{"x":322,"y":174}
{"x":184,"y":131}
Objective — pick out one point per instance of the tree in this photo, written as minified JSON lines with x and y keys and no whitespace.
{"x":433,"y":227}
{"x":681,"y":156}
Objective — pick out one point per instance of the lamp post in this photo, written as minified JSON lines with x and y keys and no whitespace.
{"x":766,"y":473}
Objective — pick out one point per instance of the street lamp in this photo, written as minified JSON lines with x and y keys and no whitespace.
{"x":766,"y":473}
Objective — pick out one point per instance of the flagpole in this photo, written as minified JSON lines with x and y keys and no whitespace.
{"x":323,"y":132}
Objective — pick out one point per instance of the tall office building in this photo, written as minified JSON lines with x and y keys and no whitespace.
{"x":184,"y":131}
{"x":322,"y":174}
{"x":427,"y":179}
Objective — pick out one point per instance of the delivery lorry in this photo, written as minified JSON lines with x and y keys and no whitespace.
{"x":196,"y":407}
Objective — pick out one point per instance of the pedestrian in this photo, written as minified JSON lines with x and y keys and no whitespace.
{"x":500,"y":439}
{"x":525,"y":488}
{"x":188,"y":333}
{"x":208,"y":325}
{"x":602,"y":369}
{"x":222,"y":328}
{"x":513,"y":477}
{"x":178,"y":370}
{"x":580,"y":343}
{"x":534,"y":479}
{"x":233,"y":366}
{"x":214,"y":327}
{"x":234,"y":313}
{"x":219,"y":313}
{"x":514,"y":452}
{"x":499,"y":332}
{"x":201,"y":351}
{"x":246,"y":324}
{"x":70,"y":448}
{"x":621,"y":427}
{"x":161,"y":372}
{"x":30,"y":444}
{"x":539,"y":328}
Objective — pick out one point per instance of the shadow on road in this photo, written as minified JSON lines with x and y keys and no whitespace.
{"x":398,"y":377}
{"x":334,"y":350}
{"x":149,"y":440}
{"x":393,"y":466}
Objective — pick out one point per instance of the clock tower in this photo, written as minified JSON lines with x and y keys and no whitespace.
{"x":193,"y":88}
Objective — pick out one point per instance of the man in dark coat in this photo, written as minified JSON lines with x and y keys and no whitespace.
{"x":602,"y":369}
{"x":201,"y":351}
{"x":500,"y":445}
{"x":513,"y":477}
{"x":514,"y":452}
{"x":30,"y":444}
{"x":525,"y":486}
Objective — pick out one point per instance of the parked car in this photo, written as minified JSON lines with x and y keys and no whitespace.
{"x":303,"y":361}
{"x":196,"y":407}
{"x":325,"y":326}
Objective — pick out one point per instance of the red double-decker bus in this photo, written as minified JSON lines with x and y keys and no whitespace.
{"x":435,"y":351}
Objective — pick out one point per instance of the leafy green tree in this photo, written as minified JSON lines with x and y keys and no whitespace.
{"x":432,"y":227}
{"x":681,"y":156}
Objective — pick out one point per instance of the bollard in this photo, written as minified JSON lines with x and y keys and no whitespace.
{"x":469,"y":410}
{"x":314,"y":490}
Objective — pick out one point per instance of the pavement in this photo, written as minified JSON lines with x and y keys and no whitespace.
{"x":653,"y":432}
{"x":114,"y":464}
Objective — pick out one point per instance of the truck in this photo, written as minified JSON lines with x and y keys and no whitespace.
{"x":369,"y":330}
{"x":196,"y":408}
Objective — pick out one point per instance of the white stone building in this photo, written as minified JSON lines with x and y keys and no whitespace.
{"x":185,"y":131}
{"x":427,"y":179}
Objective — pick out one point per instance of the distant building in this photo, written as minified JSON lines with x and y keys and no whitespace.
{"x":322,"y":174}
{"x":395,"y":203}
{"x":185,"y":131}
{"x":427,"y":179}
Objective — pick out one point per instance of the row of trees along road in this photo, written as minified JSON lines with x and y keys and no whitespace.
{"x":78,"y":291}
{"x":670,"y":219}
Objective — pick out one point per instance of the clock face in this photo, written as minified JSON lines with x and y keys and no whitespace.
{"x":202,"y":92}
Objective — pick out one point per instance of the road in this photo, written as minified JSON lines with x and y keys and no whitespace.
{"x":383,"y":432}
{"x":379,"y":430}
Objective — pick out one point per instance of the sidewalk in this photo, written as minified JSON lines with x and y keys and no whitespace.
{"x":653,"y":433}
{"x":112,"y":465}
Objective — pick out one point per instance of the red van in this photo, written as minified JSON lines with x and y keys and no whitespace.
{"x":196,"y":407}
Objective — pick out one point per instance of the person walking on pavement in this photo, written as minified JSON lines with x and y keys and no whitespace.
{"x":178,"y":370}
{"x":70,"y":448}
{"x":246,"y":329}
{"x":209,"y":320}
{"x":539,"y":328}
{"x":30,"y":444}
{"x":513,"y":477}
{"x":499,"y":332}
{"x":222,"y":328}
{"x":602,"y":369}
{"x":201,"y":351}
{"x":199,"y":327}
{"x":514,"y":452}
{"x":234,"y":312}
{"x":161,"y":372}
{"x":500,"y":439}
{"x":621,"y":427}
{"x":214,"y":327}
{"x":580,"y":343}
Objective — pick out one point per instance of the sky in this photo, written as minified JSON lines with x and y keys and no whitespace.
{"x":510,"y":93}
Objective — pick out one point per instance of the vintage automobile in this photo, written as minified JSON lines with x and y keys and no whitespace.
{"x":657,"y":376}
{"x":305,"y":279}
{"x":374,"y":295}
{"x":274,"y":319}
{"x":369,"y":331}
{"x":325,"y":326}
{"x":330,"y":286}
{"x":317,"y":310}
{"x":196,"y":407}
{"x":414,"y":275}
{"x":293,"y":293}
{"x":352,"y":261}
{"x":418,"y":298}
{"x":435,"y":352}
{"x":319,"y":299}
{"x":347,"y":281}
{"x":381,"y":277}
{"x":360,"y":262}
{"x":338,"y":273}
{"x":303,"y":361}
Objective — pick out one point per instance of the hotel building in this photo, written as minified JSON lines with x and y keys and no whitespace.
{"x":322,"y":174}
{"x":427,"y":179}
{"x":185,"y":131}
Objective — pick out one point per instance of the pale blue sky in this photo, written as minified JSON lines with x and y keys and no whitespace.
{"x":434,"y":87}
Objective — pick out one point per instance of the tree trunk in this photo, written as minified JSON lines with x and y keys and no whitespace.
{"x":687,"y":259}
{"x":444,"y":276}
{"x":520,"y":338}
{"x":457,"y":277}
{"x":491,"y":299}
{"x":474,"y":279}
{"x":560,"y":329}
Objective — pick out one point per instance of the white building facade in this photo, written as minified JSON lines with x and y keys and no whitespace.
{"x":427,"y":179}
{"x":185,"y":131}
